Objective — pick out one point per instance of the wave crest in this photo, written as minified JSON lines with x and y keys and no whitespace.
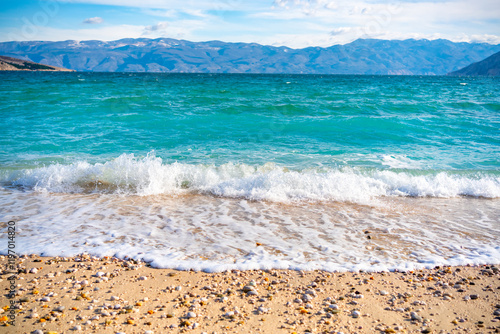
{"x":130,"y":175}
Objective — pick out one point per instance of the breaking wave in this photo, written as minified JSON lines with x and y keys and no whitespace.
{"x":130,"y":175}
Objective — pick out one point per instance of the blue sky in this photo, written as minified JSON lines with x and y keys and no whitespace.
{"x":294,"y":23}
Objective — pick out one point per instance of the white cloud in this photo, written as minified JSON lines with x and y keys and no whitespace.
{"x":294,"y":23}
{"x":160,"y":26}
{"x":170,"y":13}
{"x":172,"y":4}
{"x":342,"y":31}
{"x":175,"y":13}
{"x":326,"y":22}
{"x":181,"y":29}
{"x":423,"y":12}
{"x":196,"y":12}
{"x":186,"y":31}
{"x":93,"y":20}
{"x":53,"y":34}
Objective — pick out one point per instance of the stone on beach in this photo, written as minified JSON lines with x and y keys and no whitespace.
{"x":355,"y":314}
{"x":415,"y":316}
{"x":248,"y":288}
{"x":191,"y":315}
{"x":221,"y":302}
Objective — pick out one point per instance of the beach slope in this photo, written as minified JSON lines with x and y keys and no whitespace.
{"x":109,"y":295}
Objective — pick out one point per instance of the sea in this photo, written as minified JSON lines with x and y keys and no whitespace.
{"x":216,"y":172}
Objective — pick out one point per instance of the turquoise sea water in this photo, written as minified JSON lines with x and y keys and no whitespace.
{"x":295,"y":121}
{"x":186,"y":156}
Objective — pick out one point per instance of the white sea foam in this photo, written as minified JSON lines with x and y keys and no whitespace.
{"x":152,"y":176}
{"x":215,"y":234}
{"x":400,"y":161}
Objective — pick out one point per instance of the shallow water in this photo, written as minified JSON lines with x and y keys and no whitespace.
{"x":212,"y":233}
{"x":213,"y":172}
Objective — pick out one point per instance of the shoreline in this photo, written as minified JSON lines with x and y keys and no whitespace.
{"x":108,"y":295}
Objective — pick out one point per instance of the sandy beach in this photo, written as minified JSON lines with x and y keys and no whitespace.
{"x":108,"y":295}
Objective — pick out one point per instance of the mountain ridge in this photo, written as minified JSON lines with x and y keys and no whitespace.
{"x":15,"y":64}
{"x":486,"y":67}
{"x":363,"y":56}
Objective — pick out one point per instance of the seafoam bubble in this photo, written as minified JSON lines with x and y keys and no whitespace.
{"x":150,"y":175}
{"x":217,"y":234}
{"x":400,"y":161}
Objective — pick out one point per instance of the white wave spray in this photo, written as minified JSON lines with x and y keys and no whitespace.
{"x":128,"y":174}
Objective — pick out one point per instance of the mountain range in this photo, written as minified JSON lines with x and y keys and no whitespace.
{"x":487,"y":67}
{"x":363,"y":56}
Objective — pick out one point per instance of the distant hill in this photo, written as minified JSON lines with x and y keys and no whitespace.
{"x":487,"y":67}
{"x":363,"y":56}
{"x":14,"y":64}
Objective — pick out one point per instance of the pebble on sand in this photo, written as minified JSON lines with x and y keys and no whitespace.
{"x":191,"y":315}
